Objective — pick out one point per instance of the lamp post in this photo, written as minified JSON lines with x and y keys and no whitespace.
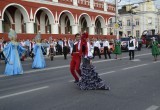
{"x":132,"y":24}
{"x":116,"y":19}
{"x":158,"y":16}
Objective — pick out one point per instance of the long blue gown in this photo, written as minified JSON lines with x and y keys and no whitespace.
{"x":39,"y":61}
{"x":12,"y":52}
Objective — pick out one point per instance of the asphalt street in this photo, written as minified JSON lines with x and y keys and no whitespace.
{"x":135,"y":85}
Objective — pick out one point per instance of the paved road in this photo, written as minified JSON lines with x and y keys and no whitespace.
{"x":135,"y":85}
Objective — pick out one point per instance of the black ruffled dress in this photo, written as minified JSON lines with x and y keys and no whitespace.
{"x":90,"y":80}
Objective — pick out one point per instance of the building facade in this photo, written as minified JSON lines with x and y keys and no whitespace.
{"x":135,"y":20}
{"x":57,"y":17}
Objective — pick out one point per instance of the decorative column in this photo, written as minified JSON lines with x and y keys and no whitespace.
{"x":54,"y":28}
{"x":54,"y":0}
{"x":92,"y":30}
{"x":92,"y":4}
{"x":105,"y":6}
{"x":30,"y":27}
{"x":1,"y":28}
{"x":75,"y":2}
{"x":74,"y":29}
{"x":105,"y":31}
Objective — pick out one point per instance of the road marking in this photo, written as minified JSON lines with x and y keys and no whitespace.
{"x":99,"y":74}
{"x":65,"y":66}
{"x":135,"y":60}
{"x":71,"y":81}
{"x":2,"y":76}
{"x":121,"y":58}
{"x":153,"y":107}
{"x":106,"y":73}
{"x":156,"y":62}
{"x":23,"y":92}
{"x":51,"y":68}
{"x":134,"y":67}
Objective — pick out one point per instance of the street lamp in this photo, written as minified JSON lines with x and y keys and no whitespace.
{"x":116,"y":18}
{"x":117,"y":32}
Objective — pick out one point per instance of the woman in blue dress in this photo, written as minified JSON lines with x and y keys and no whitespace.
{"x":12,"y":52}
{"x":38,"y":51}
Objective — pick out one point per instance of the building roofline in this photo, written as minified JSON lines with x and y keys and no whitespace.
{"x":70,"y":6}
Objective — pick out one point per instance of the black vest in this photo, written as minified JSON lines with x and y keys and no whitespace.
{"x":131,"y":44}
{"x":74,"y":48}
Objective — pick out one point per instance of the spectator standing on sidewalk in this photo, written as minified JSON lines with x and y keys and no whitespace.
{"x":155,"y":49}
{"x":106,"y":47}
{"x":65,"y":48}
{"x":97,"y":48}
{"x":117,"y":50}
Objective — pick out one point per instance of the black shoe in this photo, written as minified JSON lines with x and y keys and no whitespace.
{"x":76,"y":81}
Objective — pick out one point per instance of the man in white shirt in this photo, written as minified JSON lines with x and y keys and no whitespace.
{"x":131,"y":47}
{"x":97,"y":48}
{"x":106,"y":47}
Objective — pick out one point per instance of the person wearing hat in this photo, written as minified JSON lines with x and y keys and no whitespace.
{"x":131,"y":47}
{"x":12,"y":52}
{"x":117,"y":51}
{"x":155,"y":50}
{"x":38,"y":51}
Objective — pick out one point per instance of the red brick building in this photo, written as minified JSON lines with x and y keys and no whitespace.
{"x":59,"y":18}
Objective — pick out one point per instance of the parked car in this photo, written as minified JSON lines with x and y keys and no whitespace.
{"x":148,"y":39}
{"x":139,"y":45}
{"x":124,"y":43}
{"x":111,"y":47}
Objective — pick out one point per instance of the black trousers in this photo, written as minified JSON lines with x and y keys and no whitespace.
{"x":107,"y":52}
{"x":2,"y":56}
{"x":139,"y":47}
{"x":65,"y":51}
{"x":52,"y":53}
{"x":131,"y":54}
{"x":59,"y":49}
{"x":31,"y":54}
{"x":96,"y":49}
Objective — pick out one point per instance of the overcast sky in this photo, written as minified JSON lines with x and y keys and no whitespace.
{"x":157,"y":2}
